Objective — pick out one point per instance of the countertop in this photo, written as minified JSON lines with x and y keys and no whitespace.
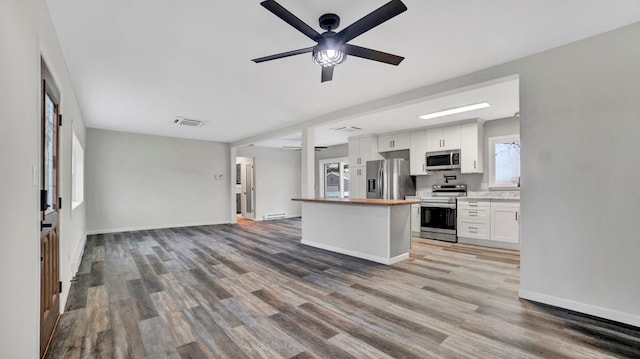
{"x":505,"y":195}
{"x":372,"y":202}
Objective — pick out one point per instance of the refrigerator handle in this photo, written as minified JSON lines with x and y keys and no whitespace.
{"x":380,"y":182}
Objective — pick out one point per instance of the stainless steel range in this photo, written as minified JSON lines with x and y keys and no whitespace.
{"x":438,"y":212}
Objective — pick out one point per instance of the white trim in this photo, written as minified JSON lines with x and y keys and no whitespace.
{"x":145,"y":228}
{"x":369,"y":257}
{"x":589,"y":309}
{"x":77,"y":256}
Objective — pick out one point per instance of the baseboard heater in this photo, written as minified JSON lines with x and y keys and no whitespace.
{"x":272,"y":216}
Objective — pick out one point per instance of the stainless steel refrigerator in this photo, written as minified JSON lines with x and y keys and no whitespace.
{"x":389,"y":179}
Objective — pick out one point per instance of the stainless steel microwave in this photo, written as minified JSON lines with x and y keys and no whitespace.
{"x":443,"y":160}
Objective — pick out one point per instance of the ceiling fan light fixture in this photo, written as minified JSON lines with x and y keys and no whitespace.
{"x":329,"y":53}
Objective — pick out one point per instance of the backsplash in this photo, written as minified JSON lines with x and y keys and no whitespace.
{"x":473,"y":181}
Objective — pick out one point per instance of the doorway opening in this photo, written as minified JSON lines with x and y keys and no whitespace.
{"x":245,"y":188}
{"x":334,"y":178}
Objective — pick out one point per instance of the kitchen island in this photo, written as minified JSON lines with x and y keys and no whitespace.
{"x":378,"y":230}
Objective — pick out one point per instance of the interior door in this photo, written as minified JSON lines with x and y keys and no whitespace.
{"x":248,"y":191}
{"x":49,"y":207}
{"x":249,"y":174}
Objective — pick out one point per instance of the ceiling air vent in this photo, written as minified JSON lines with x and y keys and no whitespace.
{"x":347,"y":128}
{"x":181,"y":121}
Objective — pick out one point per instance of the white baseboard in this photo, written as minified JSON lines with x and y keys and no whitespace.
{"x":489,"y":243}
{"x":146,"y":228}
{"x":366,"y":256}
{"x":77,"y":256}
{"x":589,"y":309}
{"x":261,"y":219}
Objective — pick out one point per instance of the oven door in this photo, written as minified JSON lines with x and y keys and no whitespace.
{"x":440,"y":218}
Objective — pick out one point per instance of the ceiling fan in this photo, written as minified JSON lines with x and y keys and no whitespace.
{"x":332,"y":48}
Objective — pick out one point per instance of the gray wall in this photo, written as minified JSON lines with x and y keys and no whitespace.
{"x":26,"y":34}
{"x":580,"y":120}
{"x":475,"y":182}
{"x":336,"y":151}
{"x":141,"y":181}
{"x":579,"y":123}
{"x":277,"y":179}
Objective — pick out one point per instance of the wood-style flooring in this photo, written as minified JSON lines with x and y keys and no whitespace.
{"x":251,"y":290}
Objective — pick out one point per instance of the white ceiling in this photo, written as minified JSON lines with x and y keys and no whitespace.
{"x":502,"y":96}
{"x":136,"y":65}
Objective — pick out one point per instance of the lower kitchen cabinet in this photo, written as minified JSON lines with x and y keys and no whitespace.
{"x":505,"y":225}
{"x":474,"y":219}
{"x":415,"y":218}
{"x":494,"y":223}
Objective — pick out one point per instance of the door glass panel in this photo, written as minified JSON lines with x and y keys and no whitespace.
{"x":332,"y":180}
{"x":49,"y":151}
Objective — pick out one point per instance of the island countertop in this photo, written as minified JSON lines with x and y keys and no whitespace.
{"x":360,"y":201}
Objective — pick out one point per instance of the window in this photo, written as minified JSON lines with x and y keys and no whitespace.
{"x":504,"y":162}
{"x":334,"y":178}
{"x":77,"y":172}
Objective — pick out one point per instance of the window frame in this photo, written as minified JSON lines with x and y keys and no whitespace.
{"x":321,"y":164}
{"x":77,"y":171}
{"x":492,"y":166}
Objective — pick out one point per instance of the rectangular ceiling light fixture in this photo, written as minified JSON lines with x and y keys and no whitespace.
{"x":455,"y":110}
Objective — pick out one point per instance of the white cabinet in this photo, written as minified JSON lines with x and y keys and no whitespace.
{"x":417,"y":149}
{"x":357,"y":182}
{"x":471,"y":147}
{"x":505,"y":221}
{"x":443,"y":138}
{"x":415,"y":218}
{"x":363,"y":149}
{"x":394,"y":142}
{"x":474,"y":218}
{"x":486,"y":222}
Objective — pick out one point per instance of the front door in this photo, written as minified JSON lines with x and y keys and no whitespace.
{"x":49,"y":207}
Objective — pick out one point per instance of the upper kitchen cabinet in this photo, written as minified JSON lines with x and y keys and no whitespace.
{"x":417,"y":149}
{"x":394,"y":142}
{"x":471,"y":147}
{"x":443,"y":138}
{"x":363,"y":149}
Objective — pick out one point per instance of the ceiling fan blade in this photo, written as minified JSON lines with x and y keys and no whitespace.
{"x":283,"y":54}
{"x":327,"y":73}
{"x":374,"y":55}
{"x":375,"y":18}
{"x":291,"y":19}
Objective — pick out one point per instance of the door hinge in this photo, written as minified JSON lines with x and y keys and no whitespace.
{"x":45,"y":225}
{"x":60,"y":119}
{"x":59,"y":202}
{"x":60,"y":287}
